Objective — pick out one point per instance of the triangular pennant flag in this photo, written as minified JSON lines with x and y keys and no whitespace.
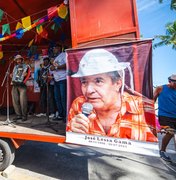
{"x":62,"y":11}
{"x":37,"y":38}
{"x":1,"y":14}
{"x":33,"y":49}
{"x":39,"y":29}
{"x":30,"y":43}
{"x":19,"y":33}
{"x":5,"y":29}
{"x":52,"y":11}
{"x":18,"y":26}
{"x":58,"y":20}
{"x":44,"y":34}
{"x":1,"y":55}
{"x":26,"y":21}
{"x":55,"y":28}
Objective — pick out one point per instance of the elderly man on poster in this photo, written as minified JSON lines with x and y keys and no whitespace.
{"x":113,"y":111}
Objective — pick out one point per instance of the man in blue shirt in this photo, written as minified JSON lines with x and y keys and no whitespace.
{"x":166,"y":95}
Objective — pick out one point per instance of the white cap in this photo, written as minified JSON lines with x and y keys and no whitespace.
{"x":99,"y":61}
{"x":172,"y":77}
{"x":18,"y":56}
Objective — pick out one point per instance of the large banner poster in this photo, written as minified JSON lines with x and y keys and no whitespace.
{"x":110,"y":97}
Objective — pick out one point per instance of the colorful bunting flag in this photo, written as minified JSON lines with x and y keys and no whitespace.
{"x":28,"y":28}
{"x":1,"y":55}
{"x":37,"y":38}
{"x":1,"y":14}
{"x":5,"y":29}
{"x":30,"y":43}
{"x":58,"y":20}
{"x":26,"y":21}
{"x":55,"y":28}
{"x":62,"y":11}
{"x":19,"y":33}
{"x":52,"y":11}
{"x":44,"y":34}
{"x":39,"y":29}
{"x":19,"y":26}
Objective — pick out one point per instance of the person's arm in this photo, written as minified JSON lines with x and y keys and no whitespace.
{"x":60,"y":62}
{"x":63,"y":66}
{"x":157,"y":92}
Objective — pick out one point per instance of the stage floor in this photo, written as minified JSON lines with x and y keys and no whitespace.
{"x":35,"y":128}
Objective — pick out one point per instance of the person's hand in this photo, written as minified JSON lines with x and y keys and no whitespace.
{"x":51,"y":60}
{"x":80,"y":124}
{"x":52,"y":68}
{"x":49,"y":78}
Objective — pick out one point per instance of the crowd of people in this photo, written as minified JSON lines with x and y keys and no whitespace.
{"x":51,"y":79}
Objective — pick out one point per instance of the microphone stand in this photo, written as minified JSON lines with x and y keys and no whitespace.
{"x":48,"y":123}
{"x":6,"y":78}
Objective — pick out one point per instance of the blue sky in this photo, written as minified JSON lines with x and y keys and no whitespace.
{"x":152,"y":18}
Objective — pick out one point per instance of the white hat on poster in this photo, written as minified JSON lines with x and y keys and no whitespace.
{"x":98,"y":61}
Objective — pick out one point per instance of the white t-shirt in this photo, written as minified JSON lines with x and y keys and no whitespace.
{"x":60,"y":74}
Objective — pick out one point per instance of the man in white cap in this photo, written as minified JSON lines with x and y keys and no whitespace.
{"x":20,"y":75}
{"x":115,"y":113}
{"x":166,"y":95}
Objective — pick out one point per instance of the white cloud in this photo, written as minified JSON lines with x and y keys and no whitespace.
{"x":146,"y":4}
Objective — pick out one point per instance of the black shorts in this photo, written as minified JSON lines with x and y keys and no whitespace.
{"x":167,"y":121}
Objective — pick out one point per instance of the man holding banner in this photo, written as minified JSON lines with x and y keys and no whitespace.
{"x":116,"y":113}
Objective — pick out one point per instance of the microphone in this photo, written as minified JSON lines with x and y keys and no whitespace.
{"x":86,"y":109}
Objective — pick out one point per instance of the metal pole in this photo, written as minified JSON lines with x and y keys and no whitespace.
{"x":6,"y":77}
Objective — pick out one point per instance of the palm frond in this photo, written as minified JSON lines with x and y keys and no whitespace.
{"x":173,"y":4}
{"x":159,"y":44}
